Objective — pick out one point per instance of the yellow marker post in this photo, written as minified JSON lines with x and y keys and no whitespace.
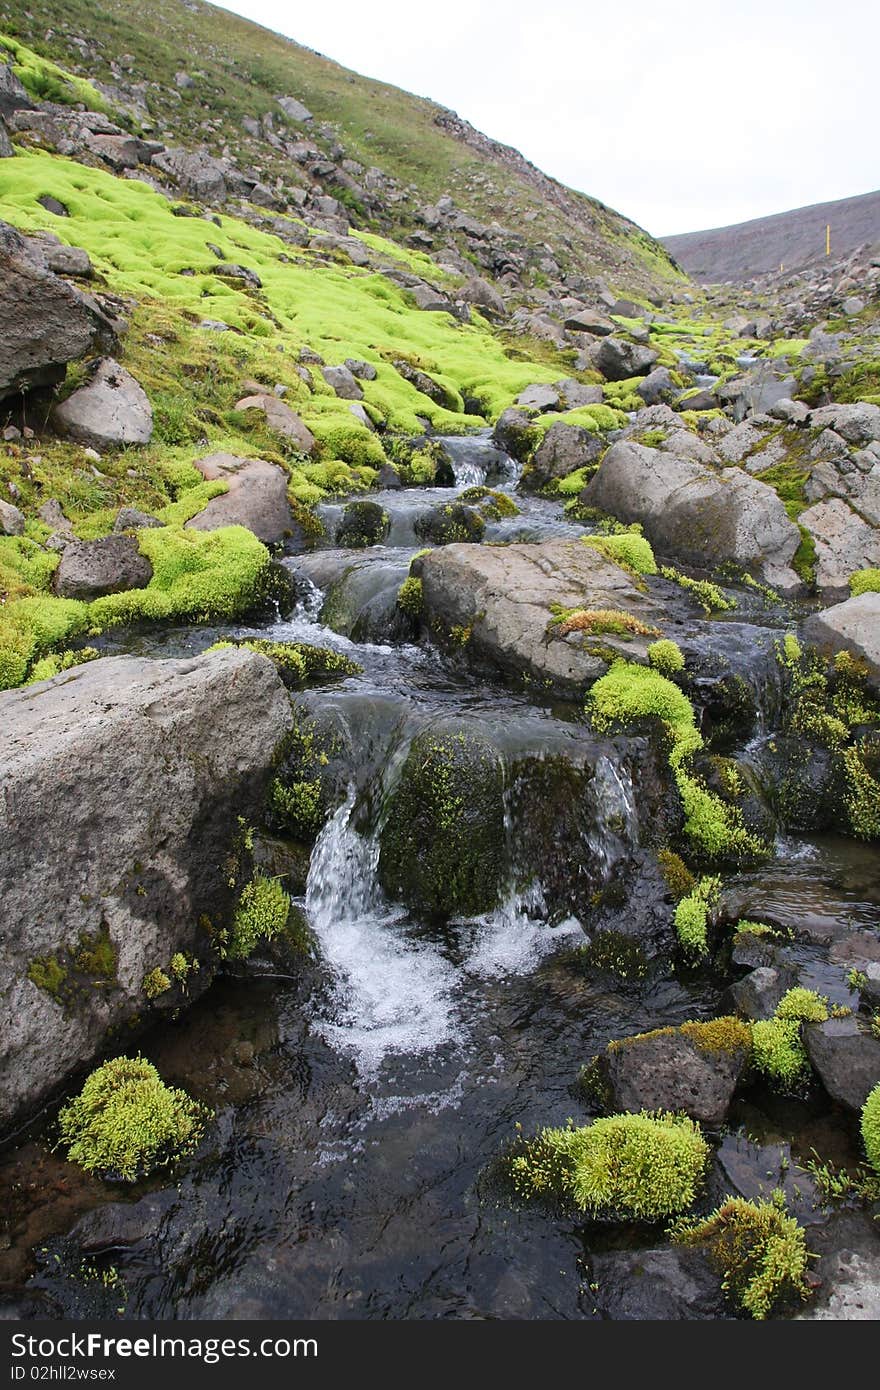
{"x":828,"y":239}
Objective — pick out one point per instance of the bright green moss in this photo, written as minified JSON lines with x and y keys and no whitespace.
{"x":778,"y":1053}
{"x":725,"y":1034}
{"x":692,"y":916}
{"x":156,"y":982}
{"x":598,"y":419}
{"x":629,"y":550}
{"x":30,"y":627}
{"x":760,"y":1251}
{"x":864,"y":582}
{"x":714,"y":828}
{"x":96,"y":955}
{"x":643,"y":1166}
{"x":262,"y":913}
{"x":53,"y":665}
{"x":126,"y":1122}
{"x":296,"y":661}
{"x":24,"y":567}
{"x":628,"y":692}
{"x":870,"y":1127}
{"x":46,"y":81}
{"x":666,"y":657}
{"x":198,"y":576}
{"x":296,"y":806}
{"x":706,"y":593}
{"x":572,"y":483}
{"x":410,"y":597}
{"x":48,"y":974}
{"x":803,"y":1005}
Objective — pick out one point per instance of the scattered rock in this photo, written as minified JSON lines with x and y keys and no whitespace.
{"x":256,"y":498}
{"x":539,"y":398}
{"x":617,"y":359}
{"x":281,"y":419}
{"x":657,"y":387}
{"x":364,"y":371}
{"x":110,"y":411}
{"x":563,"y":449}
{"x":294,"y":110}
{"x":130,"y":519}
{"x":343,"y":383}
{"x":109,"y":565}
{"x":11,"y":520}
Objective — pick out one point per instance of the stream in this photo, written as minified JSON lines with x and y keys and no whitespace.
{"x":361,"y":1102}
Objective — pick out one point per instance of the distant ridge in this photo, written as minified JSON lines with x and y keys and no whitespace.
{"x":795,"y":239}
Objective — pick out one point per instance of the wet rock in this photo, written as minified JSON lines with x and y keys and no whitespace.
{"x":498,"y":599}
{"x":88,"y":569}
{"x":697,"y":515}
{"x":755,"y":1171}
{"x":668,"y":1283}
{"x":617,"y":359}
{"x":343,"y":383}
{"x":450,"y":523}
{"x":256,"y":498}
{"x":112,"y":410}
{"x":46,"y":322}
{"x":513,"y":433}
{"x":442,"y":844}
{"x":670,"y":1071}
{"x":363,"y":524}
{"x":11,"y":520}
{"x":28,"y":1305}
{"x":281,"y":419}
{"x":853,"y":626}
{"x":758,"y":993}
{"x":846,"y":1058}
{"x":563,"y":449}
{"x":119,"y":1225}
{"x":144,"y":759}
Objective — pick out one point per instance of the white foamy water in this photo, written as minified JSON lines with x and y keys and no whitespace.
{"x":392,"y":995}
{"x":514,"y":938}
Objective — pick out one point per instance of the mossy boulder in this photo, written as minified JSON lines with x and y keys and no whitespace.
{"x":442,"y":845}
{"x":694,"y":1068}
{"x":363,"y":524}
{"x":449,"y":524}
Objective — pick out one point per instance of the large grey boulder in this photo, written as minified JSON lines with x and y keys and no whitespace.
{"x":844,"y":542}
{"x":852,"y":626}
{"x":281,"y":419}
{"x":88,"y":569}
{"x":539,"y":398}
{"x":46,"y":322}
{"x":63,"y":260}
{"x":697,"y":515}
{"x":563,"y":449}
{"x":11,"y":520}
{"x":195,"y":172}
{"x":669,"y":1071}
{"x":588,"y":321}
{"x":13,"y":93}
{"x":483,"y":296}
{"x":657,"y":387}
{"x":617,"y":359}
{"x":123,"y":781}
{"x":502,"y":596}
{"x":294,"y":110}
{"x":256,"y":498}
{"x":108,"y":412}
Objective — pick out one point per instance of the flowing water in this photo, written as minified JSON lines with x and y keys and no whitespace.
{"x":362,"y":1102}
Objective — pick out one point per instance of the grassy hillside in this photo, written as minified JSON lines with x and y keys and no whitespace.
{"x":239,"y":69}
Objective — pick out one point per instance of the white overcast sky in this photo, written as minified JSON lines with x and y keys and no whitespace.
{"x":680,"y":115}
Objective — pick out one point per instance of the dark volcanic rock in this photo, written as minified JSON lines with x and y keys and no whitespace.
{"x":846,"y":1057}
{"x":88,"y":569}
{"x":669,"y":1071}
{"x":666,"y":1284}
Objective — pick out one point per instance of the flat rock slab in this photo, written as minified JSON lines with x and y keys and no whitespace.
{"x":110,"y":411}
{"x":503,"y":595}
{"x":122,"y":780}
{"x":256,"y":498}
{"x":852,"y":626}
{"x":88,"y":569}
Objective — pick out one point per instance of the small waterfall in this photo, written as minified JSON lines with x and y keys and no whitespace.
{"x":392,"y":995}
{"x":616,"y":828}
{"x":477,"y":461}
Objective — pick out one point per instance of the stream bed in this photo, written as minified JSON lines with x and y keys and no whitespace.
{"x":362,"y":1101}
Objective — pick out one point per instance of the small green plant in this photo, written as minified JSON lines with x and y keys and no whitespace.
{"x":156,"y":983}
{"x":410,"y":598}
{"x":709,"y":595}
{"x":644,"y":1165}
{"x":262,"y":912}
{"x":870,"y":1127}
{"x":692,"y":916}
{"x":760,"y":1251}
{"x":126,"y":1122}
{"x":666,"y":657}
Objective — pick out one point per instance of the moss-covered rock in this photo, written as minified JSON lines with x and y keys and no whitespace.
{"x":449,"y":524}
{"x":362,"y":524}
{"x":443,"y":838}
